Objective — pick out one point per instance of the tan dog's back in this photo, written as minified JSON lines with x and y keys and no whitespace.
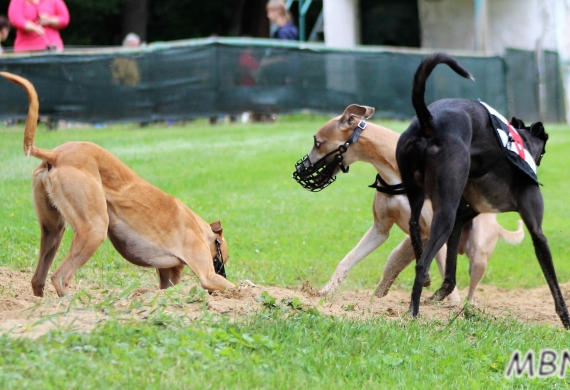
{"x":98,"y":195}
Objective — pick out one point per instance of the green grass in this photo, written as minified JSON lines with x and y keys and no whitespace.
{"x":278,"y":234}
{"x":272,"y":350}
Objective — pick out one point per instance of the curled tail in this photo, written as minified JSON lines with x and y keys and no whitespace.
{"x":513,"y":238}
{"x":420,"y":78}
{"x":32,"y":121}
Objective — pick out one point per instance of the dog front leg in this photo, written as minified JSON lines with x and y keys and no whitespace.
{"x":169,"y":277}
{"x":203,"y":267}
{"x":372,"y":239}
{"x":544,"y":257}
{"x":215,"y":282}
{"x":532,"y":211}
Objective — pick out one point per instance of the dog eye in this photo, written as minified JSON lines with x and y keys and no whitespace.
{"x":318,"y":143}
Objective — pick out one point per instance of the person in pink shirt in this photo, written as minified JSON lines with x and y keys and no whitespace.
{"x":37,"y":24}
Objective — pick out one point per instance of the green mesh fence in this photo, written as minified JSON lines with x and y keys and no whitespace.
{"x":209,"y":77}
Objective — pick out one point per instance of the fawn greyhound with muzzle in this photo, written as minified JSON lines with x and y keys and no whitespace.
{"x":349,"y":138}
{"x":86,"y":186}
{"x":468,"y":160}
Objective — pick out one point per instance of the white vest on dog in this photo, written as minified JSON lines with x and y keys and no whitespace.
{"x":510,"y":139}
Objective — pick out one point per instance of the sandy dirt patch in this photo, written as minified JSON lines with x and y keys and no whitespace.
{"x":21,"y":313}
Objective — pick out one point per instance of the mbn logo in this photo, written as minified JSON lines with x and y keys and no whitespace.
{"x":548,"y":363}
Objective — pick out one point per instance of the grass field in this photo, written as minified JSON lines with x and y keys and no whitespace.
{"x":278,"y":234}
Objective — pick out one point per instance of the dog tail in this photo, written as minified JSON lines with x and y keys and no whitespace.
{"x":513,"y":238}
{"x":427,"y":66}
{"x":32,"y":121}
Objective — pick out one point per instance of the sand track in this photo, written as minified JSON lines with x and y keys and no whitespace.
{"x":21,"y":313}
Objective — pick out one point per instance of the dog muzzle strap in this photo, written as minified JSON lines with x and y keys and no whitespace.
{"x":316,"y":177}
{"x":219,"y":260}
{"x":381,"y":186}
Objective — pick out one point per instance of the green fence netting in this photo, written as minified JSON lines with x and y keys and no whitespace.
{"x":209,"y":77}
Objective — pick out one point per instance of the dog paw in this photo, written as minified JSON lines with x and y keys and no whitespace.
{"x":380,"y":292}
{"x":327,"y":290}
{"x":438,"y":296}
{"x":324,"y":292}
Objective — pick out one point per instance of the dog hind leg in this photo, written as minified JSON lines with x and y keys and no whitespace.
{"x":399,"y":259}
{"x":416,"y":199}
{"x":479,"y":246}
{"x":52,"y":226}
{"x":81,"y":200}
{"x":477,"y":267}
{"x":440,"y":261}
{"x":463,"y":215}
{"x":445,"y":195}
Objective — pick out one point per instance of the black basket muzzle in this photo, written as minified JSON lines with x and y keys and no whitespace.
{"x":218,"y":260}
{"x":316,"y":177}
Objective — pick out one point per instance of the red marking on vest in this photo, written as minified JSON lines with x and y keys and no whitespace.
{"x":519,"y":144}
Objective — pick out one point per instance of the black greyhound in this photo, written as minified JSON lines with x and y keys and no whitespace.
{"x":450,"y":154}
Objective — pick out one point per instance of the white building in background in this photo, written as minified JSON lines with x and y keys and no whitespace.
{"x":490,"y":26}
{"x":484,"y":26}
{"x":341,"y":13}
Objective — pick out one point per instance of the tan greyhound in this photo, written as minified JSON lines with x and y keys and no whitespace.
{"x":86,"y":186}
{"x":377,"y":146}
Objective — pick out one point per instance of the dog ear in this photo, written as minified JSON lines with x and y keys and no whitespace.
{"x":517,"y":123}
{"x":354,"y":110}
{"x":537,"y":129}
{"x":217,"y":227}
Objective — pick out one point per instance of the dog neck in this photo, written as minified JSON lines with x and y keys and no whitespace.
{"x":377,"y":146}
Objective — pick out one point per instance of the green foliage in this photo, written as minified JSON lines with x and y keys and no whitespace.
{"x":295,"y":303}
{"x":184,"y":19}
{"x":267,"y":300}
{"x":93,"y":22}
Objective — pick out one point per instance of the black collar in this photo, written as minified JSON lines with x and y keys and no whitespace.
{"x":382,"y":186}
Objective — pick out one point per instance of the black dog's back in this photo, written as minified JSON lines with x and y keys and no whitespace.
{"x":419,"y":87}
{"x":450,"y":154}
{"x":443,"y":118}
